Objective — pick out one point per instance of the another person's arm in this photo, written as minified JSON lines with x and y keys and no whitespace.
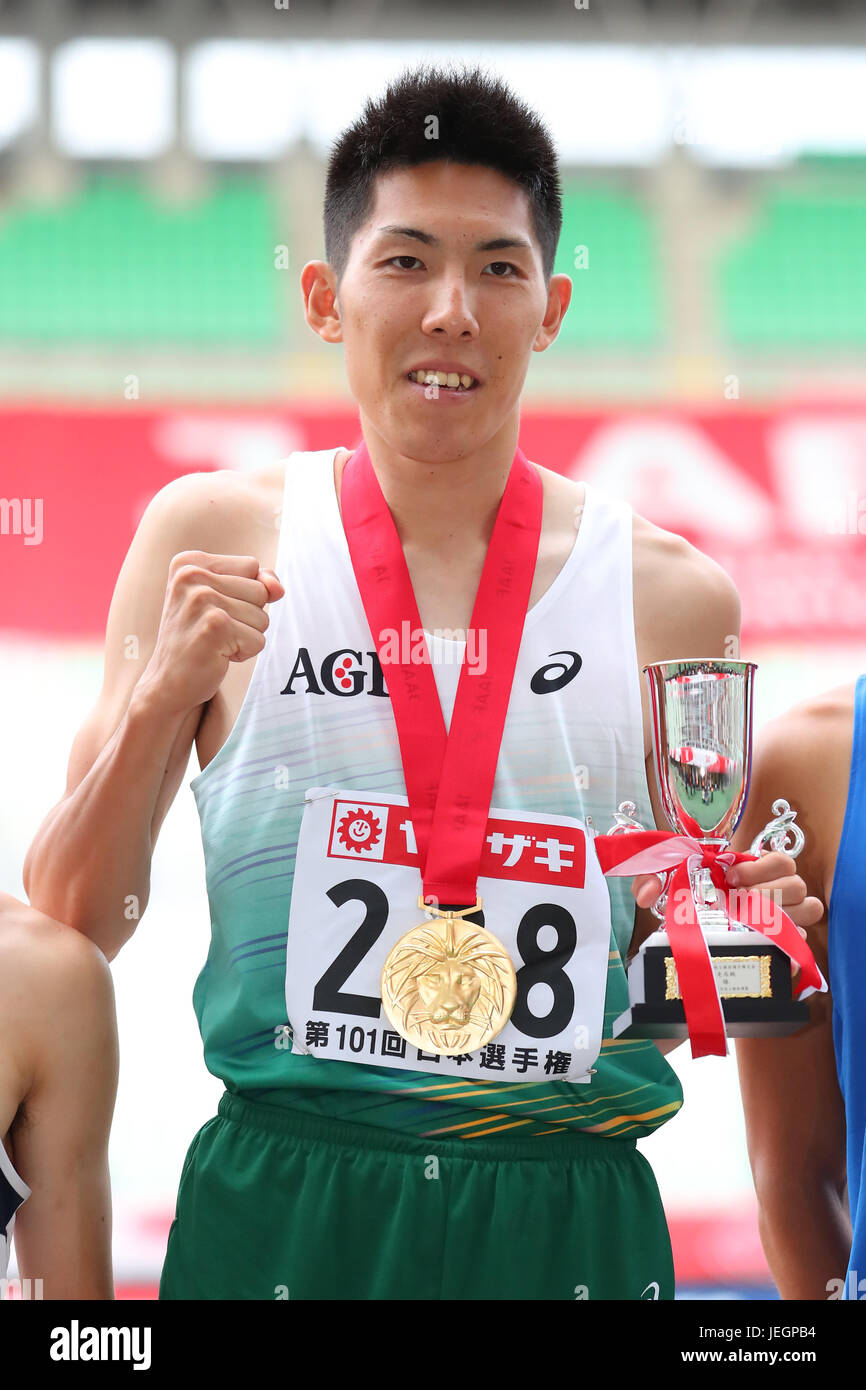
{"x":795,"y":1120}
{"x":57,"y":990}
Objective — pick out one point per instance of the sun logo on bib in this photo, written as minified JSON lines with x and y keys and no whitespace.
{"x":359,"y":831}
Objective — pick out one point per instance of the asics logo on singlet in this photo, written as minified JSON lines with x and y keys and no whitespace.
{"x":343,"y":672}
{"x":555,"y":674}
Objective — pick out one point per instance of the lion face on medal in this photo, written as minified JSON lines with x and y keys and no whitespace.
{"x":448,"y":985}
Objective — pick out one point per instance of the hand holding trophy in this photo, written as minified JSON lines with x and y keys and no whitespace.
{"x":721,"y":964}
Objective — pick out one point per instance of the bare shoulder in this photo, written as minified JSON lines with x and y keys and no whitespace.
{"x":51,"y":977}
{"x":813,"y":736}
{"x":685,"y":602}
{"x":216,"y":510}
{"x":43,"y":960}
{"x":670,"y":562}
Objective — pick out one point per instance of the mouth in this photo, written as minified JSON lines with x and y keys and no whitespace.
{"x":445,"y":383}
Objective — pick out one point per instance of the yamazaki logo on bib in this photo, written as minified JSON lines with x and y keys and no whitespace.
{"x":449,"y":984}
{"x":519,"y":850}
{"x":355,"y":887}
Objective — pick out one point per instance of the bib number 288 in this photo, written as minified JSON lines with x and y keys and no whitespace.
{"x":539,"y":964}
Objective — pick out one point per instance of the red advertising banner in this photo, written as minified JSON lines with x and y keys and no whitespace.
{"x":778,"y":497}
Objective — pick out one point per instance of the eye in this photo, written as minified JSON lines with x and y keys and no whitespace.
{"x":433,"y":979}
{"x":508,"y":265}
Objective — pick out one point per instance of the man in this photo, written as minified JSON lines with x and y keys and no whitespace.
{"x":799,"y":1123}
{"x":343,"y":1164}
{"x":58,"y":1079}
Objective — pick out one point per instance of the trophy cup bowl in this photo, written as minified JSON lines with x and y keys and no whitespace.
{"x":702,"y":751}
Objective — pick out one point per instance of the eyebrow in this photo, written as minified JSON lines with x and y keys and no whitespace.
{"x":500,"y":243}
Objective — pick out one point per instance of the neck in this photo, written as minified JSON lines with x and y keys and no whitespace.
{"x":445,"y":503}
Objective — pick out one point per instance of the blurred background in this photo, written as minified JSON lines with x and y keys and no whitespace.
{"x":161,"y":178}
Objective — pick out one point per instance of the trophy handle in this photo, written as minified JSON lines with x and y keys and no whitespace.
{"x":624,"y":821}
{"x":782,"y":833}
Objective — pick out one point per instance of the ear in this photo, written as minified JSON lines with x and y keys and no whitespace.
{"x":558,"y":300}
{"x":321,"y":309}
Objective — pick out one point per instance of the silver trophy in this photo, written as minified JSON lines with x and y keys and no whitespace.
{"x":702,"y":750}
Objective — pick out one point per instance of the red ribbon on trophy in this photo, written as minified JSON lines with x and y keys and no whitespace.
{"x":658,"y":851}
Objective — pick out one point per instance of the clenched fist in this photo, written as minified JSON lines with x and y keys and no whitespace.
{"x":214,"y":613}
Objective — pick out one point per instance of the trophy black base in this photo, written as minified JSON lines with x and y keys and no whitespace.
{"x":754,"y":979}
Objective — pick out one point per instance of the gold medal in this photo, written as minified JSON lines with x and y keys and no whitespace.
{"x":448,"y":986}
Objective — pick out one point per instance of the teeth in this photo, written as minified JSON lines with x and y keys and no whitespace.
{"x":454,"y":380}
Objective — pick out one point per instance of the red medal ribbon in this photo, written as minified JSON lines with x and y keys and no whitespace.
{"x":655,"y":851}
{"x":449,"y":774}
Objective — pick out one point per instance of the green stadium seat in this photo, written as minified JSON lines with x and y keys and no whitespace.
{"x":117,"y":265}
{"x":616,"y":299}
{"x":799,"y":278}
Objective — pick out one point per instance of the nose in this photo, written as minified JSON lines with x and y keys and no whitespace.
{"x":450,"y":310}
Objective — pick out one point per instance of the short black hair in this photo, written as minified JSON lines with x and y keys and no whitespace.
{"x":480,"y":122}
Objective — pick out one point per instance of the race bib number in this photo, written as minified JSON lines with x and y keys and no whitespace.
{"x":355,"y":893}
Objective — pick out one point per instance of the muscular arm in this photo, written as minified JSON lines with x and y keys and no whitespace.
{"x":63,"y":1004}
{"x":89,"y":863}
{"x":179,"y":616}
{"x":795,"y":1122}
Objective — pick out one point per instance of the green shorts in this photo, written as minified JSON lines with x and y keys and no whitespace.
{"x":274,"y":1204}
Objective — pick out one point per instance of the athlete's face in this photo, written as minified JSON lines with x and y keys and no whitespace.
{"x":446,"y":269}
